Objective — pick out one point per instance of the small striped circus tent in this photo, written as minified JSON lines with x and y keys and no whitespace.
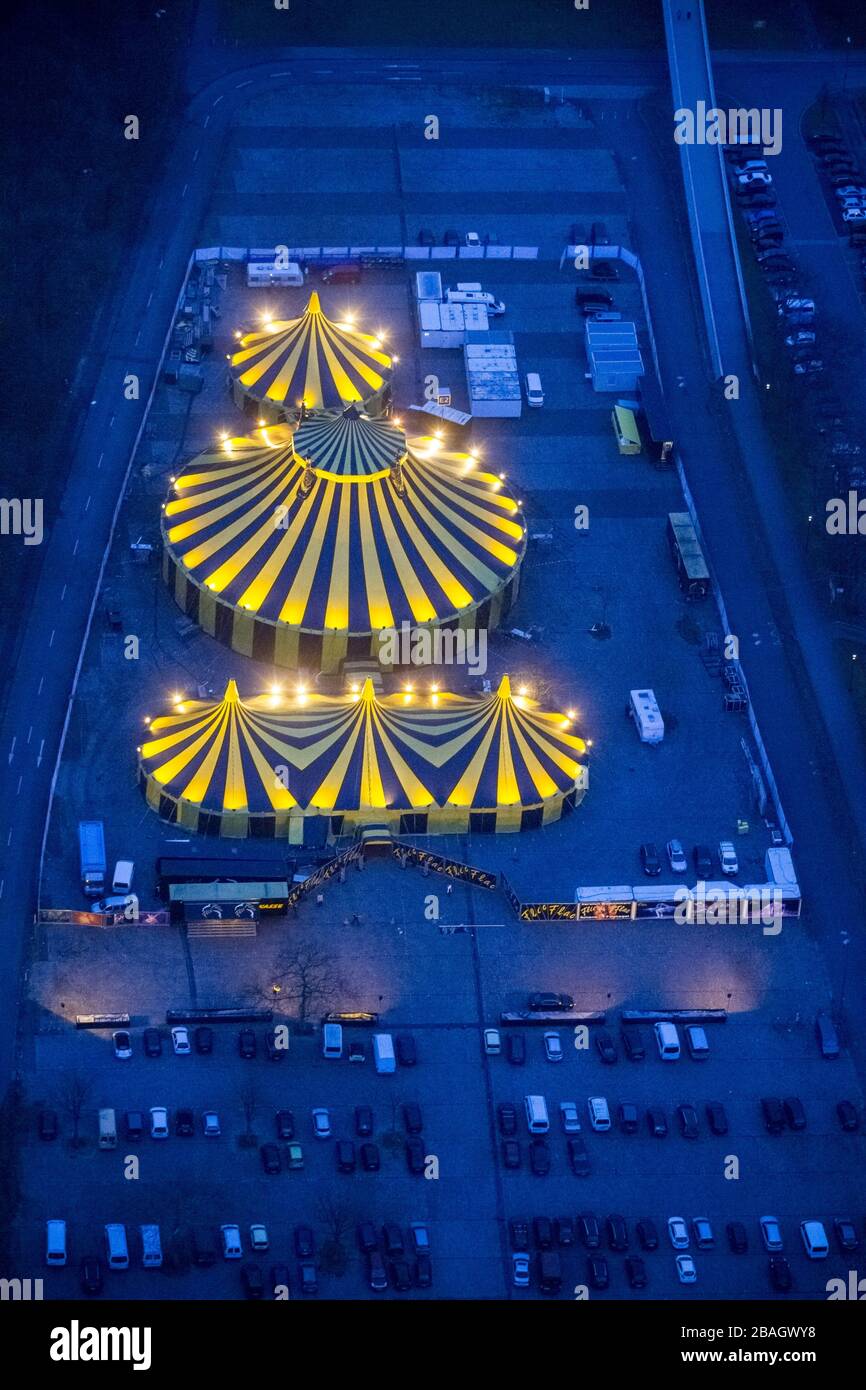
{"x":424,"y":763}
{"x":299,"y":547}
{"x":290,"y":367}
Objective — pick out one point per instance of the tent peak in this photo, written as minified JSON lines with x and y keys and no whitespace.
{"x":504,"y":690}
{"x":314,"y":306}
{"x":231,"y":696}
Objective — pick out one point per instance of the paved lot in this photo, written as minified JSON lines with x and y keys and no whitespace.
{"x":445,"y":988}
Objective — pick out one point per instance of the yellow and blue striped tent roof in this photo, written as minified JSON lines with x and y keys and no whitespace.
{"x":312,"y":360}
{"x":357,"y":752}
{"x":343,"y":542}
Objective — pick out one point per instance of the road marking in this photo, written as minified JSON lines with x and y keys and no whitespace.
{"x":2,"y":886}
{"x":12,"y":748}
{"x":161,"y":262}
{"x":248,"y":83}
{"x":138,"y":337}
{"x":149,"y":299}
{"x":206,"y":119}
{"x":279,"y":74}
{"x":111,"y":422}
{"x":9,"y":836}
{"x":41,"y":681}
{"x":18,"y":788}
{"x":218,"y":100}
{"x":39,"y":758}
{"x":75,"y":547}
{"x":99,"y":460}
{"x":51,"y":638}
{"x":195,"y":157}
{"x":29,"y":732}
{"x":62,"y":597}
{"x":87,"y":504}
{"x":185,"y":187}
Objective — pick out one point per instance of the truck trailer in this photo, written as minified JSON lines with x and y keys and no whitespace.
{"x":91,"y":846}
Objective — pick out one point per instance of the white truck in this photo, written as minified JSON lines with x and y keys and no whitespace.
{"x":261,"y":273}
{"x":91,"y":849}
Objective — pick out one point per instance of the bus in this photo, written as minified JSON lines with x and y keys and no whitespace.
{"x":692,"y":572}
{"x":626,"y":430}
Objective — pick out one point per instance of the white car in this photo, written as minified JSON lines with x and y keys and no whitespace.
{"x":677,"y":856}
{"x":686,"y":1272}
{"x":854,"y":214}
{"x":122,"y":1044}
{"x":552,"y":1047}
{"x":492,"y":1042}
{"x":520,"y":1269}
{"x":180,"y":1041}
{"x":599,"y":1114}
{"x":231,"y":1237}
{"x":678,"y":1232}
{"x":754,"y":179}
{"x":568,"y":1114}
{"x":750,"y":166}
{"x":258,"y":1236}
{"x":728,"y":857}
{"x":211,"y":1122}
{"x":158,"y":1122}
{"x":473,"y":239}
{"x":814,"y":1239}
{"x":771,"y":1233}
{"x":321,"y":1123}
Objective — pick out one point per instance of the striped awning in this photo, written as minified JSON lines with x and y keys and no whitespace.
{"x":310,"y":360}
{"x":342,"y":527}
{"x":360,"y":755}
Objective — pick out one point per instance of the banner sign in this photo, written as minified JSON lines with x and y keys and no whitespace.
{"x":450,"y":868}
{"x":323,"y":874}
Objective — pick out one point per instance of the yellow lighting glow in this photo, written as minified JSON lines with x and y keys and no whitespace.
{"x":572,"y":713}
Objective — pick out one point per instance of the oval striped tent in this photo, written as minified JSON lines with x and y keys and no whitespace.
{"x":299,"y":549}
{"x":431,"y":763}
{"x":292,"y":366}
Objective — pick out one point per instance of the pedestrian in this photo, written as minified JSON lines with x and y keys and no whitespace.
{"x":449,"y":890}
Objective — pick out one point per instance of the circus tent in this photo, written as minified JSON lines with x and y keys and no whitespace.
{"x":291,"y":366}
{"x":424,"y":763}
{"x":297,"y":548}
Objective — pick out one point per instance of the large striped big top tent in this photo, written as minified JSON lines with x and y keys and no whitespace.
{"x":424,"y":763}
{"x":309,"y":361}
{"x":298,"y":549}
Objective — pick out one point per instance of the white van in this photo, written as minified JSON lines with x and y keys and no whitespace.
{"x":107,"y":1130}
{"x":116,"y":1251}
{"x":151,"y":1247}
{"x":814,"y":1239}
{"x":696,"y":1042}
{"x":537,"y":1120}
{"x":231,"y":1237}
{"x":534,"y":393}
{"x":599,"y":1113}
{"x":667,"y":1041}
{"x":383,"y":1053}
{"x":491,"y":304}
{"x":122,"y":881}
{"x":55,"y":1242}
{"x":332,"y":1040}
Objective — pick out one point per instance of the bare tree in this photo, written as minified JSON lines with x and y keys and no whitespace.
{"x":74,"y":1094}
{"x":337,"y":1220}
{"x":308,"y":977}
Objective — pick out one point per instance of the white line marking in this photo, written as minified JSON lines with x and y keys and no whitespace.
{"x":248,"y":83}
{"x":29,"y":732}
{"x":111,"y":422}
{"x":9,"y":836}
{"x":138,"y":338}
{"x":63,"y":594}
{"x":218,"y":100}
{"x":41,"y":682}
{"x":149,"y":299}
{"x":41,"y":746}
{"x":279,"y":74}
{"x":12,"y":748}
{"x":87,"y":504}
{"x":99,"y":460}
{"x":2,"y":886}
{"x":18,"y":788}
{"x":195,"y":157}
{"x":185,"y":187}
{"x":206,"y":119}
{"x":51,"y":638}
{"x":75,"y":547}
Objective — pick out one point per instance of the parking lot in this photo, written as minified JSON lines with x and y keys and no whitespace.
{"x":444,"y":989}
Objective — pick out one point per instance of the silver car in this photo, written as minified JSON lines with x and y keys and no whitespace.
{"x":676,"y":856}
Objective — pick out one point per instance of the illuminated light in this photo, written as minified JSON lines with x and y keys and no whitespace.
{"x":572,"y":713}
{"x":374,"y":342}
{"x":223,"y":436}
{"x":437,"y":434}
{"x":395,"y":358}
{"x":262,"y":424}
{"x":302,"y":690}
{"x":238,"y":333}
{"x":408,"y":687}
{"x":434,"y":689}
{"x":502,"y":476}
{"x":589,"y":743}
{"x":434,"y":699}
{"x":276,"y":688}
{"x":407,"y":698}
{"x":355,"y":688}
{"x":355,"y":698}
{"x":147,"y":719}
{"x":523,"y":690}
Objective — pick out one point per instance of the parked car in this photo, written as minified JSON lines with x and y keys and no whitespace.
{"x":590,"y":1230}
{"x":152,"y":1039}
{"x":134,"y":1125}
{"x":552,"y":1046}
{"x":774,"y":1115}
{"x":716,"y":1117}
{"x":305,"y":1242}
{"x":703,"y":1233}
{"x":597,"y":1272}
{"x":794,"y":1112}
{"x":48,"y":1126}
{"x":520,"y":1269}
{"x":407,"y":1053}
{"x":357,"y":1050}
{"x":158,"y":1122}
{"x":648,"y":1236}
{"x":516,"y":1049}
{"x":392,"y":1239}
{"x":703,"y":861}
{"x":846,"y":1233}
{"x":285,"y":1122}
{"x":270,"y":1156}
{"x":210,"y":1122}
{"x":252,"y":1280}
{"x":656,"y":1122}
{"x":604,"y":1046}
{"x":344,"y":1152}
{"x":738,"y":1240}
{"x":507,"y":1116}
{"x":412,"y":1120}
{"x":771,"y":1233}
{"x":550,"y":1003}
{"x":321,"y":1122}
{"x":294,"y":1156}
{"x":276,"y":1052}
{"x":676,"y":856}
{"x":629,"y":1116}
{"x":592,"y":301}
{"x":828,"y":1038}
{"x":510,"y":1150}
{"x":539,"y":1157}
{"x":678,"y":1232}
{"x":633,"y":1043}
{"x":635,"y":1272}
{"x":370,"y":1159}
{"x":492,"y":1042}
{"x":569,"y":1116}
{"x":184,"y":1123}
{"x":308,"y":1276}
{"x":426,"y":237}
{"x":415,"y":1156}
{"x":400,"y":1275}
{"x":91,"y":1274}
{"x":367,"y":1238}
{"x":247,"y":1043}
{"x":696,"y":1042}
{"x":686,"y":1270}
{"x":688,"y":1118}
{"x":578,"y":1158}
{"x":649,"y":860}
{"x":564,"y":1231}
{"x":728,"y":857}
{"x":363,"y":1121}
{"x":280,"y":1278}
{"x":451,"y":238}
{"x":780,"y":1273}
{"x":617,"y":1232}
{"x":180,"y":1042}
{"x":203,"y":1038}
{"x":122,"y":1044}
{"x":518,"y":1232}
{"x":847,"y":1115}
